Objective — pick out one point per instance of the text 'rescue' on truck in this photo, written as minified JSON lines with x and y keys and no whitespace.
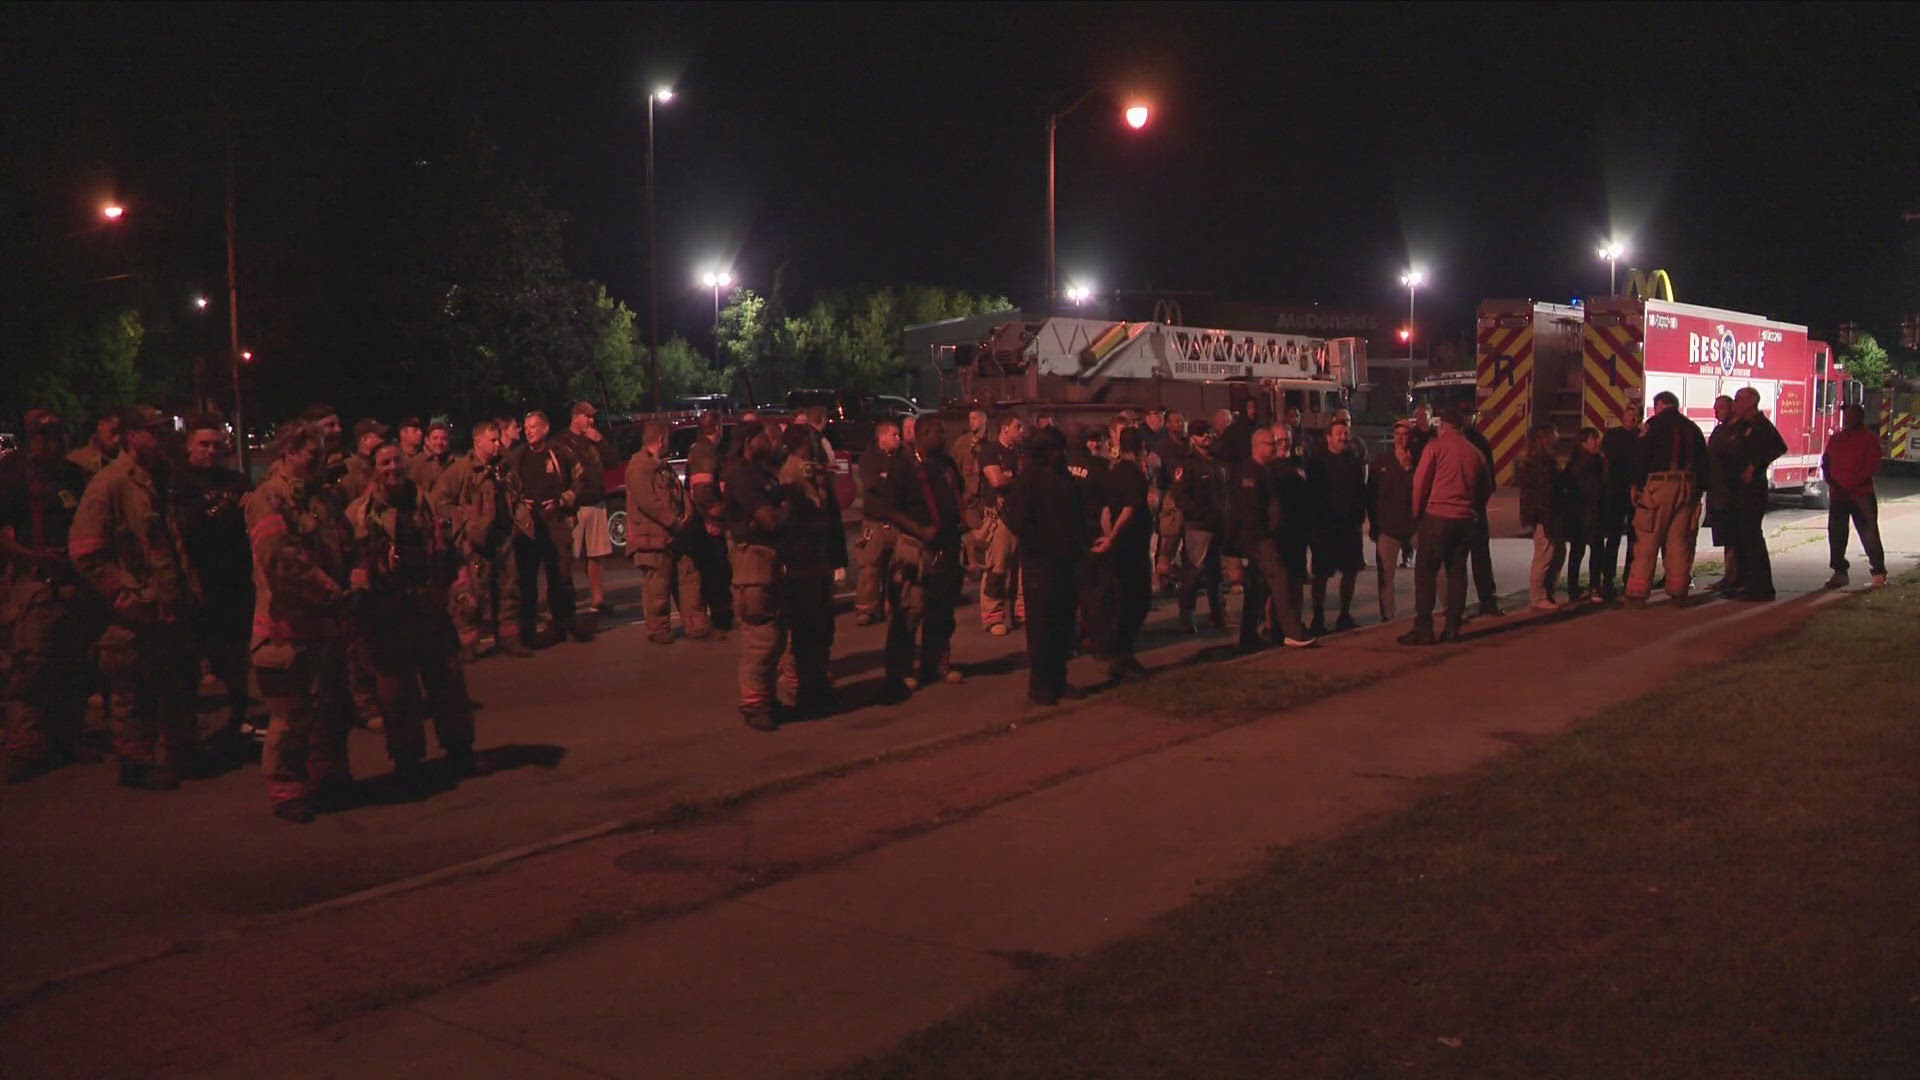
{"x":1576,"y":366}
{"x":1087,"y":370}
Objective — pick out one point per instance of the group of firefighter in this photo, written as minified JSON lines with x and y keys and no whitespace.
{"x":349,"y":585}
{"x":354,"y":582}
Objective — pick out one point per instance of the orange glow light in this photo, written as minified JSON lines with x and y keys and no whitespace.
{"x":1137,"y":116}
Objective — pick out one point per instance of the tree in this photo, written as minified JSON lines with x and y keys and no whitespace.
{"x":87,"y":369}
{"x":1865,"y":360}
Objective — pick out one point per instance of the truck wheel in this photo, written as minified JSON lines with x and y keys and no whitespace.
{"x":617,"y":530}
{"x":1814,"y":496}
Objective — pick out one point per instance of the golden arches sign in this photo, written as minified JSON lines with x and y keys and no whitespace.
{"x":1653,"y":286}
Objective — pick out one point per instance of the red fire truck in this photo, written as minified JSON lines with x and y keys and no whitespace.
{"x":1629,"y":349}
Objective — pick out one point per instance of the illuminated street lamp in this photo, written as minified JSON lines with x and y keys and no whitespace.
{"x":661,"y":95}
{"x":1136,"y":116}
{"x":1412,"y":279}
{"x":113,"y":211}
{"x":716,"y":280}
{"x":200,"y":302}
{"x":1079,"y":293}
{"x":1612,"y":251}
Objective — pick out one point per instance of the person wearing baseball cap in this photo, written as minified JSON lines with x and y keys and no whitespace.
{"x":126,"y":543}
{"x":592,"y":535}
{"x":413,"y":438}
{"x":368,"y":434}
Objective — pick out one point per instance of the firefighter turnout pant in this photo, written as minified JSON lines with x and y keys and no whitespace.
{"x":485,"y":600}
{"x":760,"y":624}
{"x":305,"y":687}
{"x":925,"y":589}
{"x":1001,"y":598}
{"x":1666,"y":518}
{"x":666,"y":578}
{"x":43,"y":636}
{"x":416,"y":658}
{"x":874,"y":554}
{"x":149,"y":669}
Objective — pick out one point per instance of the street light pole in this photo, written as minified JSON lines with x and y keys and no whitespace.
{"x":653,"y":271}
{"x":1611,"y":251}
{"x":1136,"y":117}
{"x":234,"y":357}
{"x":1412,"y":279}
{"x":717,"y":280}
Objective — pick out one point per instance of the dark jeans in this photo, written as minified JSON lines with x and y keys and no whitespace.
{"x":1443,"y":542}
{"x":1052,"y":597}
{"x":1130,"y":569}
{"x":1267,"y":577}
{"x":1200,"y":567}
{"x":1605,"y":564}
{"x":1750,"y":540}
{"x":550,"y":547}
{"x":1864,"y":513}
{"x":1482,"y":557}
{"x":1577,"y":550}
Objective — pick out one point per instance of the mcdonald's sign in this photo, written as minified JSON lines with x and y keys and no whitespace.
{"x":1650,"y":286}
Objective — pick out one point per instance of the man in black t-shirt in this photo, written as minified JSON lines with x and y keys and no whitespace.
{"x":1337,"y":481}
{"x":1126,"y":543}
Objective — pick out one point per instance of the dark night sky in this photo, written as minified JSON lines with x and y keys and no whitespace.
{"x":1761,"y":154}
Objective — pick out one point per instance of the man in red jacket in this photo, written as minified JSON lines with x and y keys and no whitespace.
{"x":1851,"y":458}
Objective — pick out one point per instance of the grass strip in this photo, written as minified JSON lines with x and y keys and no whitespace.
{"x":1716,"y":879}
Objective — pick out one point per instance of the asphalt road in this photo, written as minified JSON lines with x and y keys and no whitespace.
{"x":584,"y":734}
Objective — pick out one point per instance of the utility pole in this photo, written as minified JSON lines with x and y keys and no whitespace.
{"x":233,"y":317}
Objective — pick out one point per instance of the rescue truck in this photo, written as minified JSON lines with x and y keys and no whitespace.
{"x":1895,"y":413}
{"x":1591,"y":365}
{"x":1088,"y":370}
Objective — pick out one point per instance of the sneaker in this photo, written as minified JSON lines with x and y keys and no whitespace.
{"x":148,"y":777}
{"x":1307,"y":642}
{"x":1837,"y":581}
{"x":1419,"y":635}
{"x":1318,"y":628}
{"x":1880,"y":579}
{"x":1491,"y":609}
{"x":1449,"y":635}
{"x":998,"y":629}
{"x":297,"y":811}
{"x":1345,"y":622}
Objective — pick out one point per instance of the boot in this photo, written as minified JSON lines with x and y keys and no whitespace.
{"x":1421,"y":634}
{"x":1837,"y":581}
{"x":297,"y":811}
{"x":513,"y":646}
{"x":661,"y":637}
{"x":761,"y":719}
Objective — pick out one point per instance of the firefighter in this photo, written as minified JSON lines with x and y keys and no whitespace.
{"x":301,"y":551}
{"x":125,"y":542}
{"x":476,"y":498}
{"x":401,"y":574}
{"x":1259,"y":526}
{"x":101,"y":449}
{"x":45,"y":612}
{"x":927,"y":508}
{"x":874,"y":549}
{"x":814,"y":547}
{"x":757,"y":519}
{"x":549,"y":477}
{"x":207,"y":497}
{"x":436,"y":454}
{"x":998,"y":459}
{"x":965,"y":452}
{"x":368,"y":436}
{"x":704,"y":539}
{"x":1669,"y":479}
{"x":659,"y":512}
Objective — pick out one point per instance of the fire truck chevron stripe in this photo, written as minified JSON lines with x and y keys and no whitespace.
{"x":1900,"y":436}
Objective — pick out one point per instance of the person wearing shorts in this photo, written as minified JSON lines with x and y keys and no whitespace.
{"x":592,"y":539}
